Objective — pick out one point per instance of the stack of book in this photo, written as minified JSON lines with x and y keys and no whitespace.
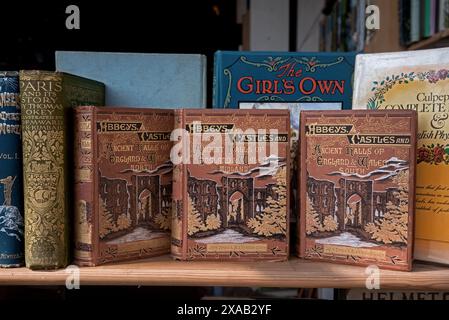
{"x":283,"y":161}
{"x":420,"y":19}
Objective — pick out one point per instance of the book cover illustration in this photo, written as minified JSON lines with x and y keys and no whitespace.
{"x":294,"y":108}
{"x":11,"y":192}
{"x":282,"y":77}
{"x":357,"y":187}
{"x":417,"y":80}
{"x":227,"y":210}
{"x":123,"y":184}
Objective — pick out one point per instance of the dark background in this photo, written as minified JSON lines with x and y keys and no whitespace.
{"x":32,"y":31}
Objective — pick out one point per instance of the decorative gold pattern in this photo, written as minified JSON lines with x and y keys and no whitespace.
{"x":44,"y":196}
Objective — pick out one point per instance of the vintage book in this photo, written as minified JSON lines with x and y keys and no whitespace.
{"x":426,"y":13}
{"x":357,"y":187}
{"x":11,"y":192}
{"x":123,"y":186}
{"x":417,"y":80}
{"x":282,"y":77}
{"x":406,"y":294}
{"x":443,"y":15}
{"x":415,"y":21}
{"x":433,"y":17}
{"x":142,"y":79}
{"x":46,"y":98}
{"x":231,"y":185}
{"x":294,"y":108}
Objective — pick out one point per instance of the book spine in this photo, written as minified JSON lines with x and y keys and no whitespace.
{"x":216,"y":82}
{"x":11,"y":194}
{"x":203,"y":81}
{"x":443,"y":15}
{"x":426,"y":18}
{"x":414,"y":21}
{"x":44,"y":162}
{"x":84,"y":176}
{"x":433,"y":17}
{"x":179,"y":234}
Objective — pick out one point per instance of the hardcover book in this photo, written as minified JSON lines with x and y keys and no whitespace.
{"x":241,"y":77}
{"x":426,"y":21}
{"x":417,"y":80}
{"x":231,"y":185}
{"x":142,"y":79}
{"x":123,"y":183}
{"x":443,"y":15}
{"x":11,"y":192}
{"x":357,"y":187}
{"x":415,"y":21}
{"x":46,"y":98}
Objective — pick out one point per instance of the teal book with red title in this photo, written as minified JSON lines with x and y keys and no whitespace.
{"x":241,"y":77}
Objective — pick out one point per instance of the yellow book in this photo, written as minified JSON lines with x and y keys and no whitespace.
{"x":417,"y":80}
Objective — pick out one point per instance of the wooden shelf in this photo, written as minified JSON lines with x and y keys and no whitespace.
{"x":430,"y":42}
{"x":295,"y":273}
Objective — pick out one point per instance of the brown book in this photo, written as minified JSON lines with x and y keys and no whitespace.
{"x":123,"y":179}
{"x":357,"y":187}
{"x":230,"y":185}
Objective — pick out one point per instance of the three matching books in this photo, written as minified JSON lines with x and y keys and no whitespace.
{"x":122,"y":202}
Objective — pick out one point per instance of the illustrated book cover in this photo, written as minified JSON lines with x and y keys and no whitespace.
{"x":241,"y":77}
{"x":46,"y":100}
{"x":357,"y":187}
{"x":417,"y":80}
{"x":231,"y":185}
{"x":123,"y":183}
{"x":142,"y":79}
{"x":294,"y":108}
{"x":11,"y":192}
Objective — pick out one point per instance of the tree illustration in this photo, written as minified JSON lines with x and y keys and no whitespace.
{"x":106,"y":220}
{"x":213,"y":222}
{"x":123,"y":222}
{"x":273,"y":221}
{"x":330,"y":224}
{"x":313,"y":223}
{"x":194,"y":223}
{"x":163,"y":219}
{"x":392,"y":227}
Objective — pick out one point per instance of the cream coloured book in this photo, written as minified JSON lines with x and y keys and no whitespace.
{"x":417,"y":80}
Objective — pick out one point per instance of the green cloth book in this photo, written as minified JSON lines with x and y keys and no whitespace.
{"x":46,"y":99}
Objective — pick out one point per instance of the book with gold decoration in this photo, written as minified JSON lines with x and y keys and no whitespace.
{"x":231,"y":185}
{"x":47,"y":98}
{"x":357,"y":187}
{"x":11,"y":192}
{"x":123,"y":177}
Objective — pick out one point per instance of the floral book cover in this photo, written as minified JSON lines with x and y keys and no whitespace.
{"x":231,"y":185}
{"x":357,"y":187}
{"x":123,"y":183}
{"x":417,"y":80}
{"x":297,"y":77}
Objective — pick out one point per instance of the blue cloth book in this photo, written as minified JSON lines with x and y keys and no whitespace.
{"x":11,"y":190}
{"x":282,"y":77}
{"x":142,"y":79}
